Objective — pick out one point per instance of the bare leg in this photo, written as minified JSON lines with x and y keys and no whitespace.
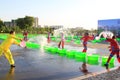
{"x":62,"y":44}
{"x":59,"y":44}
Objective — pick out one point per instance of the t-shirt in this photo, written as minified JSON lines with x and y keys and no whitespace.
{"x":113,"y":43}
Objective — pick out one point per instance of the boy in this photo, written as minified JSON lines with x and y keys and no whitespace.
{"x":114,"y":49}
{"x":85,"y":39}
{"x":5,"y":45}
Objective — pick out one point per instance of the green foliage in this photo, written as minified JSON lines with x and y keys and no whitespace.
{"x":2,"y":28}
{"x":28,"y":21}
{"x":1,"y":24}
{"x":20,"y":23}
{"x":25,"y":23}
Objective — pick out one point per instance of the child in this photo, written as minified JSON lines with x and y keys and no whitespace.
{"x":25,"y":34}
{"x":114,"y":49}
{"x":85,"y":39}
{"x":48,"y":38}
{"x":61,"y":41}
{"x":5,"y":45}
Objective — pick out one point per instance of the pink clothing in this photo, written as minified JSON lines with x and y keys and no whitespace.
{"x":62,"y":37}
{"x":48,"y":38}
{"x":48,"y":35}
{"x":61,"y":41}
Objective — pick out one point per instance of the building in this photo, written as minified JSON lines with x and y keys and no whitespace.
{"x":56,"y":27}
{"x":13,"y":23}
{"x":10,"y":23}
{"x":35,"y":24}
{"x":112,"y":25}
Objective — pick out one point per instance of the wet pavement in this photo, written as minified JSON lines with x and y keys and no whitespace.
{"x":32,"y":64}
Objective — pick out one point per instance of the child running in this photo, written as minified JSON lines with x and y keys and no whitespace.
{"x":114,"y":49}
{"x":85,"y":39}
{"x":5,"y":45}
{"x":61,"y":41}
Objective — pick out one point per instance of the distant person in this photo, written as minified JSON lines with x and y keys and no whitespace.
{"x":114,"y":49}
{"x":85,"y":39}
{"x":61,"y":41}
{"x":25,"y":34}
{"x":5,"y":45}
{"x":48,"y":38}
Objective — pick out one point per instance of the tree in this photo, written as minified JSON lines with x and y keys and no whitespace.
{"x":25,"y":23}
{"x":20,"y":23}
{"x":28,"y":21}
{"x":3,"y":28}
{"x":1,"y":23}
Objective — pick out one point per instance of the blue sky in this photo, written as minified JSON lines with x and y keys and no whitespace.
{"x":69,"y":13}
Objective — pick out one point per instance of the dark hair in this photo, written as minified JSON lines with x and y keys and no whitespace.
{"x":11,"y":32}
{"x":113,"y":37}
{"x":86,"y":33}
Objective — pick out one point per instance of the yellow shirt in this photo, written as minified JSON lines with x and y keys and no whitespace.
{"x":11,"y":39}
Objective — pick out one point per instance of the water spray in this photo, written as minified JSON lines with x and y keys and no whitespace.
{"x":105,"y":34}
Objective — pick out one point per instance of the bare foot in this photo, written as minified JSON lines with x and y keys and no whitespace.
{"x":108,"y":70}
{"x":118,"y":68}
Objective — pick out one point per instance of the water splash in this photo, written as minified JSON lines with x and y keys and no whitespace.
{"x":42,"y":40}
{"x":66,"y":31}
{"x":105,"y":34}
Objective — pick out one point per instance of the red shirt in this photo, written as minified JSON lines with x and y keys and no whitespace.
{"x":113,"y":43}
{"x":87,"y":38}
{"x":25,"y":33}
